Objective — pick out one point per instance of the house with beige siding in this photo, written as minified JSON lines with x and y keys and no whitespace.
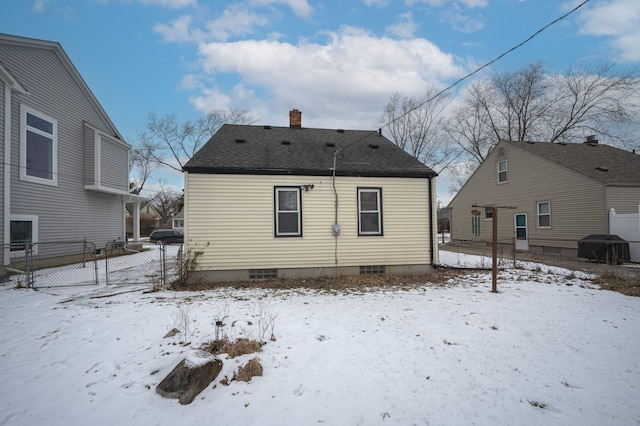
{"x":549,"y":195}
{"x":63,"y":164}
{"x":282,"y":202}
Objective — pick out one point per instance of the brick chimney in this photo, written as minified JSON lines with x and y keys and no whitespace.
{"x":295,"y":119}
{"x":591,"y":140}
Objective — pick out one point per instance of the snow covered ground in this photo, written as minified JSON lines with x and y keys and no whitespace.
{"x":544,"y":350}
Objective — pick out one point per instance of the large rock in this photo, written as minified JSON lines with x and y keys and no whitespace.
{"x":190,"y":376}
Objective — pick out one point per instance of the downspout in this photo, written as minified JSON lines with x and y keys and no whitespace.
{"x":335,"y":192}
{"x":431,"y":239}
{"x":6,"y":200}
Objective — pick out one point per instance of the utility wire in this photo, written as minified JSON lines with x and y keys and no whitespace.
{"x":477,"y":70}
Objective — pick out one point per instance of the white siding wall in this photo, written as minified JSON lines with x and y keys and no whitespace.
{"x":234,"y":214}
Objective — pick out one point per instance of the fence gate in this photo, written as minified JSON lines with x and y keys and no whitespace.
{"x":155,"y":265}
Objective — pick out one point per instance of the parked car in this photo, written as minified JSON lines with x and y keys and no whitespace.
{"x":167,"y":236}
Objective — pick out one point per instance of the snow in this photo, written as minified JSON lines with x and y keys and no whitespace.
{"x":547,"y":349}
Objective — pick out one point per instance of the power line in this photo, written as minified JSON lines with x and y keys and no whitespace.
{"x":477,"y":70}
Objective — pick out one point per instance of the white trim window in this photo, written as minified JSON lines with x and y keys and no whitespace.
{"x":23,"y":229}
{"x":543,"y":209}
{"x":370,"y":211}
{"x":488,"y":213}
{"x":288,"y":212}
{"x":502,"y":171}
{"x":38,"y":147}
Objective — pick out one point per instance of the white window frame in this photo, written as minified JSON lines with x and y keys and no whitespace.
{"x":277,"y":210}
{"x":539,"y":215}
{"x":488,"y":213}
{"x":378,"y":211}
{"x":34,"y":230}
{"x":505,"y":171}
{"x":24,"y":128}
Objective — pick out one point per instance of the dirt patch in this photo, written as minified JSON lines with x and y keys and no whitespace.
{"x":626,"y":287}
{"x":441,"y":276}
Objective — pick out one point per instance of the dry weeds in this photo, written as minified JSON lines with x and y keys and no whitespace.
{"x":232,"y":349}
{"x":251,"y":369}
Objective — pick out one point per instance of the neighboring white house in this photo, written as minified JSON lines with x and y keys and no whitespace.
{"x":63,"y":164}
{"x":177,"y":222}
{"x":266,"y":202}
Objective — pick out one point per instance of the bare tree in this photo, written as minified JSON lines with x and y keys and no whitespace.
{"x":140,"y":168}
{"x":531,"y":105}
{"x":168,"y":201}
{"x":171,"y":143}
{"x":415,"y":125}
{"x":600,"y":101}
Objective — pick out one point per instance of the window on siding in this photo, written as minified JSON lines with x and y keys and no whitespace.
{"x":544,"y":214}
{"x":22,"y":229}
{"x":288,"y":212}
{"x":38,"y":147}
{"x":502,"y":171}
{"x":488,"y":213}
{"x":475,"y":226}
{"x":369,"y":211}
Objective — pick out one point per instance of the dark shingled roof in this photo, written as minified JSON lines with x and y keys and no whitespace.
{"x":603,"y":163}
{"x":271,"y":150}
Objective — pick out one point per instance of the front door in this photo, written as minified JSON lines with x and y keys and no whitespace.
{"x":522,"y":234}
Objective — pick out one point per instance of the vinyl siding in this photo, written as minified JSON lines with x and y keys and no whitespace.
{"x":234,"y":215}
{"x":66,"y":211}
{"x":114,"y":164}
{"x":3,"y":93}
{"x":577,"y":202}
{"x":89,"y":136}
{"x":624,"y":199}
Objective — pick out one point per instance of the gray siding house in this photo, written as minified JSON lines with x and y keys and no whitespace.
{"x":553,"y":194}
{"x":64,"y":165}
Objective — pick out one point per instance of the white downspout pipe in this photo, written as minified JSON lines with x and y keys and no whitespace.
{"x":6,"y":201}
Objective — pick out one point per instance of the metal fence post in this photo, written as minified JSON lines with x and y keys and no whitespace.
{"x":106,"y":263}
{"x":28,"y":257}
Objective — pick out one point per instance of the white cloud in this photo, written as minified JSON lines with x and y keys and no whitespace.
{"x":456,"y":3}
{"x":39,"y":5}
{"x":172,"y":4}
{"x":376,"y":3}
{"x":235,"y":21}
{"x":618,"y":19}
{"x":301,"y":8}
{"x":331,"y":81}
{"x":405,"y":27}
{"x":461,"y":22}
{"x":178,"y":31}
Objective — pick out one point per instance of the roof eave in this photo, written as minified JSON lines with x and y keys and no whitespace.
{"x":310,"y":172}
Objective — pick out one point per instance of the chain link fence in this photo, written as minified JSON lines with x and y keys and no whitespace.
{"x":81,"y":263}
{"x":51,"y":264}
{"x":162,"y":263}
{"x":595,"y":256}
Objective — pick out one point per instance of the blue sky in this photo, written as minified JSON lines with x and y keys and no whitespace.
{"x":337,"y":61}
